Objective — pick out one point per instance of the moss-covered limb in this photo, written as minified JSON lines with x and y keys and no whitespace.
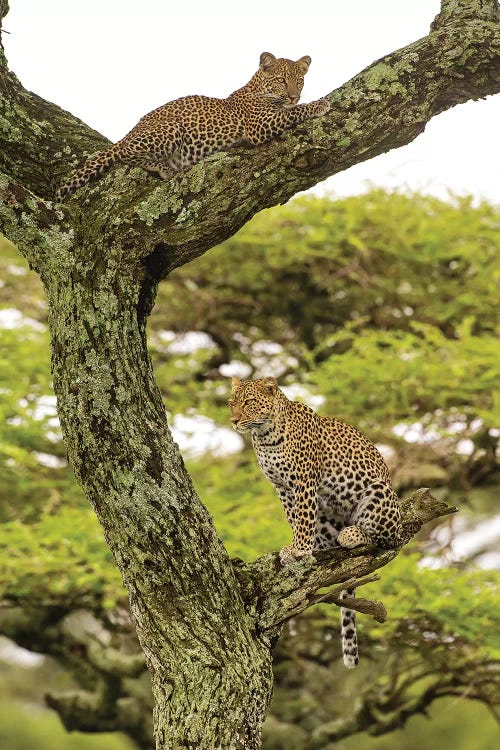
{"x":36,"y":227}
{"x":460,"y":10}
{"x":385,"y":106}
{"x":274,"y":594}
{"x":39,"y":141}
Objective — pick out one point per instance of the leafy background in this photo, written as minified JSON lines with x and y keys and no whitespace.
{"x":380,"y":309}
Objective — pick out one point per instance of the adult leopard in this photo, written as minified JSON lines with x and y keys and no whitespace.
{"x":333,"y":483}
{"x":184,"y":131}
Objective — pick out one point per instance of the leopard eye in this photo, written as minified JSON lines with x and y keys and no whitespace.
{"x":248,"y":402}
{"x":231,"y":402}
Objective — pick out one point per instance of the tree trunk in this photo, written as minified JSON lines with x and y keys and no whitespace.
{"x":189,"y":616}
{"x":205,"y":625}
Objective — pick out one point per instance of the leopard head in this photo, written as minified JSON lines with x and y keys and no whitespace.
{"x":280,"y":79}
{"x":252,"y":403}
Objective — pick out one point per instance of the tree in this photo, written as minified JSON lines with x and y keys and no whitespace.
{"x":206,"y":625}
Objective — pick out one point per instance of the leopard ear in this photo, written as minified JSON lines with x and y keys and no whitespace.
{"x":267,"y":60}
{"x":235,"y":384}
{"x":269,"y":386}
{"x":303,"y":64}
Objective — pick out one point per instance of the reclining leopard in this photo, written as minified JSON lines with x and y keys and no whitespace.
{"x":333,"y":483}
{"x":184,"y":131}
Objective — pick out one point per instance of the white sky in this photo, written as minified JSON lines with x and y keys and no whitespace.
{"x":111,"y":61}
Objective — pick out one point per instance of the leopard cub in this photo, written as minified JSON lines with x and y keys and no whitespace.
{"x":184,"y":131}
{"x":334,"y":484}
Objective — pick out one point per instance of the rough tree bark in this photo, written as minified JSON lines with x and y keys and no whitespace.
{"x":206,"y":625}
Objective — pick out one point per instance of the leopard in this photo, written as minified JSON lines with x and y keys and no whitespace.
{"x":182,"y":132}
{"x":333,"y":482}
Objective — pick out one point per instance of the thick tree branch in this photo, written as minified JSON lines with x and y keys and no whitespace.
{"x":384,"y":107}
{"x":274,"y":594}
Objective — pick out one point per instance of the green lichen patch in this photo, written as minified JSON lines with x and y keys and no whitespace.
{"x":158,"y":204}
{"x":379,"y":75}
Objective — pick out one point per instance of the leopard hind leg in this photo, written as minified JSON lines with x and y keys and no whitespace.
{"x":376,"y":519}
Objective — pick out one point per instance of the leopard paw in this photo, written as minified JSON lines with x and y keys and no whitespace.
{"x":353,"y":536}
{"x":322,"y":107}
{"x":289,"y":554}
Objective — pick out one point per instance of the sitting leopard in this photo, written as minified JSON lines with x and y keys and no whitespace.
{"x":332,"y":481}
{"x":181,"y":133}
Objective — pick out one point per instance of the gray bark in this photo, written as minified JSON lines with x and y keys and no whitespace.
{"x":206,"y":626}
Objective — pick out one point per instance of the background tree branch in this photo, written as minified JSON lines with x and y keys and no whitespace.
{"x":101,"y":654}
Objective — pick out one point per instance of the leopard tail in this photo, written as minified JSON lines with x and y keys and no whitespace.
{"x":91,"y":170}
{"x":349,"y":638}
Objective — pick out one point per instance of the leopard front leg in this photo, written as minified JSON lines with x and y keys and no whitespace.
{"x":376,"y":519}
{"x":287,"y":497}
{"x":283,"y":118}
{"x":304,"y":523}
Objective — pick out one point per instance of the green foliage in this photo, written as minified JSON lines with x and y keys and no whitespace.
{"x":22,"y":729}
{"x":33,"y":471}
{"x":247,"y":515}
{"x":465,"y":604}
{"x":438,"y":379}
{"x":60,"y":559}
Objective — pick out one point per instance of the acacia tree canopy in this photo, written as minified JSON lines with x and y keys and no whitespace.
{"x":206,"y":627}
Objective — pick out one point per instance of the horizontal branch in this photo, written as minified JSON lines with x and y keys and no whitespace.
{"x":82,"y":629}
{"x":98,"y":656}
{"x":383,"y":107}
{"x":87,"y":711}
